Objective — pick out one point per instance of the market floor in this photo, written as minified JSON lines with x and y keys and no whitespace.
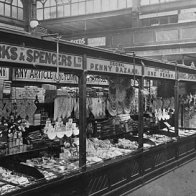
{"x":178,"y":182}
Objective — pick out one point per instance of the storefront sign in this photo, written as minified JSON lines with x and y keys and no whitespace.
{"x":187,"y":76}
{"x":187,"y":15}
{"x":38,"y":57}
{"x":79,"y":41}
{"x":96,"y":81}
{"x":4,"y":73}
{"x":159,"y":73}
{"x":112,"y":67}
{"x":97,"y":41}
{"x":45,"y":76}
{"x":6,"y":89}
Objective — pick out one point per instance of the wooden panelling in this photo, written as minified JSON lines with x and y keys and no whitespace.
{"x":160,"y":158}
{"x":118,"y":174}
{"x":97,"y":184}
{"x":148,"y":162}
{"x":171,"y":153}
{"x":133,"y":169}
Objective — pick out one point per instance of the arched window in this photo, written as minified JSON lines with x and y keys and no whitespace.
{"x":40,"y":10}
{"x":47,"y":9}
{"x":11,"y":9}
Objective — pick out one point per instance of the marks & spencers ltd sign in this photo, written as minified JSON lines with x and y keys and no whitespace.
{"x":25,"y":55}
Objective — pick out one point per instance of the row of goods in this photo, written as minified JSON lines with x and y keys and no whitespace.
{"x":112,"y":129}
{"x":52,"y":165}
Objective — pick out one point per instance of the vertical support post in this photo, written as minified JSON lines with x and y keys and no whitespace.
{"x":57,"y":59}
{"x":134,"y":69}
{"x":27,"y":14}
{"x":176,"y":97}
{"x":182,"y":115}
{"x":134,"y":85}
{"x":141,"y":108}
{"x":82,"y":118}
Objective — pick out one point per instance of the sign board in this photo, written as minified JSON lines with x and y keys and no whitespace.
{"x":4,"y":73}
{"x":79,"y":41}
{"x":97,"y":41}
{"x":46,"y":76}
{"x":25,"y":55}
{"x":187,"y":15}
{"x":186,"y":76}
{"x":105,"y":66}
{"x":159,"y":73}
{"x":6,"y":89}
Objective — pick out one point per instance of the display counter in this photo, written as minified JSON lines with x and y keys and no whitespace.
{"x":118,"y":175}
{"x":123,"y":153}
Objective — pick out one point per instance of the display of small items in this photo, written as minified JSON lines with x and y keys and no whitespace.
{"x":67,"y":133}
{"x":59,"y":130}
{"x":70,"y":150}
{"x":15,"y":138}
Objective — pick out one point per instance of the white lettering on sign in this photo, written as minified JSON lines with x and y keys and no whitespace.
{"x":187,"y":76}
{"x":78,"y":41}
{"x":38,"y":57}
{"x":159,"y":73}
{"x":4,"y":73}
{"x":20,"y":74}
{"x":112,"y":67}
{"x":96,"y":81}
{"x":97,"y":41}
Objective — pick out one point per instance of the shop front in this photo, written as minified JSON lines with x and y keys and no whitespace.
{"x":90,"y":123}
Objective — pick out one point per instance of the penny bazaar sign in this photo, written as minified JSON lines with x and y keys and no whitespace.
{"x":25,"y":55}
{"x":98,"y":65}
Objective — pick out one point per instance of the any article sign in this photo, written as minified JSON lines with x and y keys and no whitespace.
{"x":47,"y":76}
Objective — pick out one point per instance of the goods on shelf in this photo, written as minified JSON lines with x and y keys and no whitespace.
{"x":59,"y":130}
{"x":52,"y":167}
{"x":127,"y":144}
{"x":10,"y":181}
{"x":186,"y":132}
{"x":120,"y":96}
{"x":158,"y":139}
{"x":6,"y":188}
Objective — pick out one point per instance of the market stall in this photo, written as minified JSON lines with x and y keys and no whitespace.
{"x":87,"y":140}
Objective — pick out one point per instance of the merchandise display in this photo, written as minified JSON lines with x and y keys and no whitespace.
{"x":186,"y":132}
{"x":82,"y":137}
{"x":52,"y":167}
{"x":10,"y":181}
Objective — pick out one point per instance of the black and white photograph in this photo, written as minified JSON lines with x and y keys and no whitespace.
{"x":98,"y":97}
